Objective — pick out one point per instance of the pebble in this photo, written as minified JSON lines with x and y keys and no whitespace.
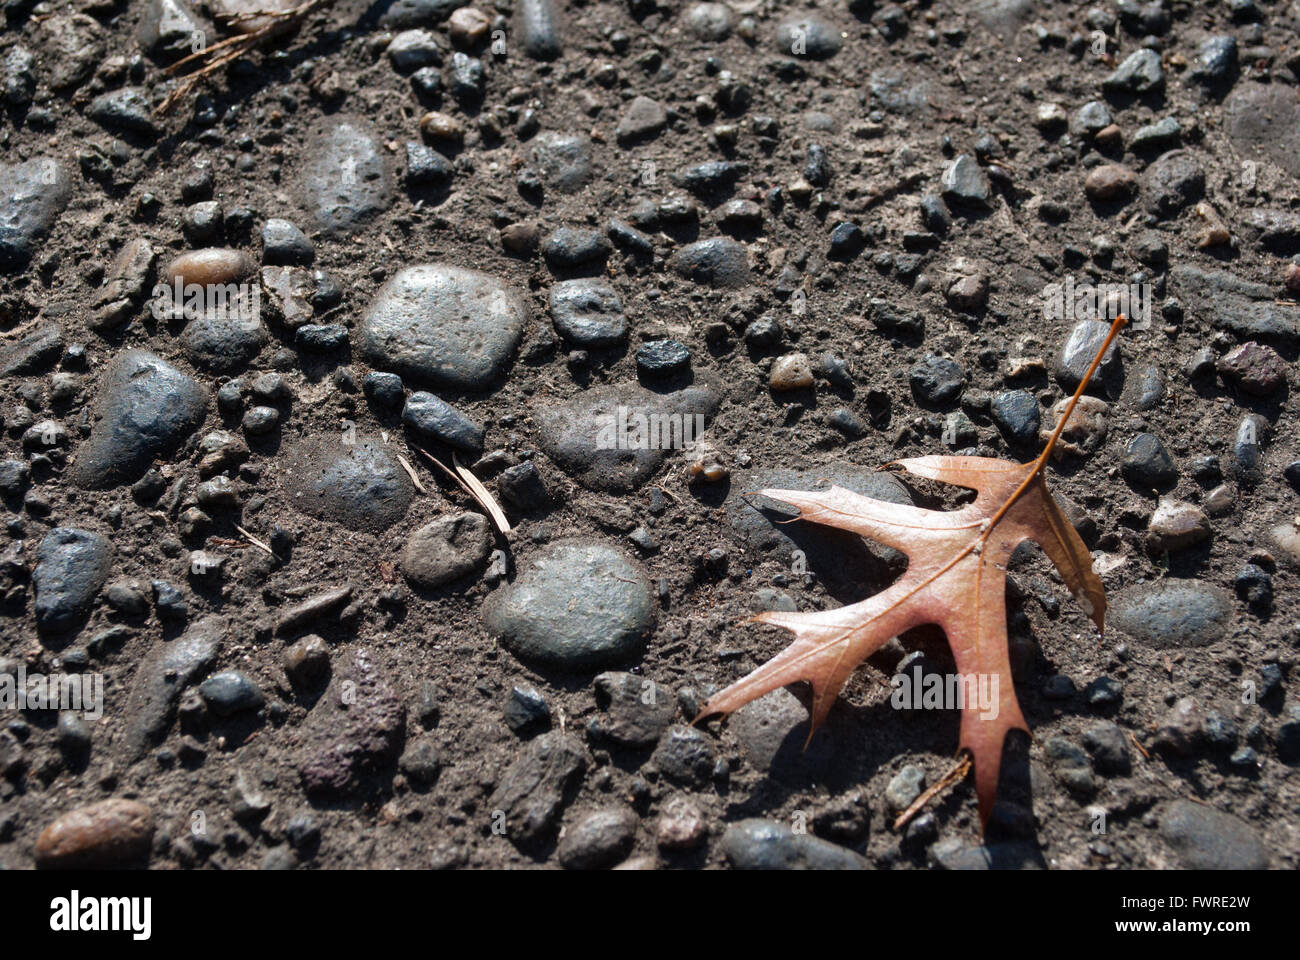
{"x":443,"y":324}
{"x":791,"y":372}
{"x":425,"y":166}
{"x":685,"y":756}
{"x":642,"y":121}
{"x":533,"y":790}
{"x":569,"y":247}
{"x":1160,"y":135}
{"x":522,"y":487}
{"x":1086,"y":429}
{"x":71,"y":567}
{"x":447,"y":549}
{"x":32,"y":196}
{"x":164,"y":672}
{"x":1070,"y":765}
{"x":1176,"y":525}
{"x":772,"y":731}
{"x":600,"y":839}
{"x":904,"y":787}
{"x":354,"y":731}
{"x":1110,"y":182}
{"x":1147,"y":463}
{"x":359,"y":485}
{"x":581,"y":435}
{"x":421,"y":761}
{"x":231,"y":692}
{"x":710,"y":22}
{"x":1230,"y":303}
{"x":346,"y":182}
{"x":1215,"y":62}
{"x":662,"y":358}
{"x":1090,"y":119}
{"x":588,"y":314}
{"x":767,"y":845}
{"x":1255,"y":368}
{"x":808,"y":34}
{"x":108,"y":834}
{"x":563,"y":160}
{"x":965,"y":183}
{"x":431,"y":418}
{"x":937,"y":381}
{"x":580,"y":605}
{"x":34,"y":352}
{"x":635,"y":710}
{"x":1140,"y":72}
{"x":312,"y":609}
{"x":1172,"y":182}
{"x":412,"y":49}
{"x":1109,"y":748}
{"x":717,"y":262}
{"x":125,"y":285}
{"x":1207,"y":839}
{"x":307,"y":660}
{"x":540,"y":25}
{"x":284,"y":244}
{"x":468,"y":27}
{"x":680,"y":825}
{"x":526,"y":710}
{"x":127,"y":111}
{"x":1017,"y":415}
{"x":1172,"y":613}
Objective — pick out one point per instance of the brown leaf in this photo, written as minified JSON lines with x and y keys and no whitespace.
{"x":956,"y":578}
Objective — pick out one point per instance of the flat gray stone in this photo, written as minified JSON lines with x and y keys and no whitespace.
{"x":717,"y":262}
{"x":447,"y":549}
{"x":224,"y":342}
{"x":580,"y":605}
{"x":563,"y":160}
{"x":1230,"y":303}
{"x":71,"y":567}
{"x":1265,"y":117}
{"x":346,"y":182}
{"x":163,"y":674}
{"x":32,"y":195}
{"x":588,"y":313}
{"x":772,"y":731}
{"x":33,"y":353}
{"x":1172,"y":613}
{"x":443,"y":324}
{"x":1208,"y":839}
{"x":144,"y":410}
{"x":768,"y":845}
{"x":359,"y":485}
{"x":582,"y":436}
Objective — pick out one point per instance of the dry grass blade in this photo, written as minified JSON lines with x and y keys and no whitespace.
{"x":253,"y":540}
{"x":481,"y":494}
{"x":410,"y":472}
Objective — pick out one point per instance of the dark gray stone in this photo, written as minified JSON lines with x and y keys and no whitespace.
{"x":1017,"y":415}
{"x":345,"y":182}
{"x":563,"y":160}
{"x":443,"y":324}
{"x":1172,"y":613}
{"x":32,"y":195}
{"x":71,"y":567}
{"x":574,"y":246}
{"x":768,"y":845}
{"x":1147,"y":463}
{"x":432,"y":418}
{"x":283,"y":243}
{"x":808,"y":35}
{"x":534,"y":789}
{"x":1078,"y":351}
{"x":127,"y":110}
{"x":1229,"y":303}
{"x":231,"y":692}
{"x":717,"y":262}
{"x":580,"y":605}
{"x":164,"y":673}
{"x":540,"y":25}
{"x":447,"y":549}
{"x":358,"y":484}
{"x":144,"y":409}
{"x":588,"y":313}
{"x":599,"y":839}
{"x":937,"y":381}
{"x":966,"y":184}
{"x":1208,"y":839}
{"x":635,"y":710}
{"x":1141,"y":72}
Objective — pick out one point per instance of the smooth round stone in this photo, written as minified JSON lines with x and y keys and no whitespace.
{"x":231,"y":692}
{"x":1017,"y":415}
{"x":144,"y":410}
{"x":808,"y":35}
{"x":108,"y":834}
{"x":1265,"y":117}
{"x":600,"y":839}
{"x":1086,"y":338}
{"x":710,"y":22}
{"x":32,"y":195}
{"x":1209,"y":839}
{"x":1147,"y":463}
{"x":718,"y":262}
{"x":443,"y":324}
{"x":447,"y":549}
{"x":791,"y":372}
{"x":588,"y":313}
{"x":1172,"y":613}
{"x":662,"y":358}
{"x":579,"y":606}
{"x":768,"y":845}
{"x":224,"y":343}
{"x":359,"y":485}
{"x":209,"y":265}
{"x":284,"y":243}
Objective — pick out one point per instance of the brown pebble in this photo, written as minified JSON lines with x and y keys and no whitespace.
{"x":468,"y":26}
{"x":521,"y":238}
{"x":791,"y":372}
{"x":1256,"y":368}
{"x":680,"y":826}
{"x":307,"y":660}
{"x":1084,"y":431}
{"x":440,"y":126}
{"x":1292,"y":277}
{"x":1109,"y":136}
{"x":110,"y":833}
{"x":211,"y":265}
{"x":1110,"y":181}
{"x":1176,"y":524}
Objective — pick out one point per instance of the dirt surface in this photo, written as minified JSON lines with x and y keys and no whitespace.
{"x":910,"y":89}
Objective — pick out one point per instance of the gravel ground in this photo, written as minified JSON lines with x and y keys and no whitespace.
{"x":813,"y":238}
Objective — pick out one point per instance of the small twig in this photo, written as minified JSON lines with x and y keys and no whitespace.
{"x":481,"y":494}
{"x":952,"y":777}
{"x":1141,"y":749}
{"x":254,"y":541}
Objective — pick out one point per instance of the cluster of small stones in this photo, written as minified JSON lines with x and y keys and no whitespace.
{"x":174,"y":482}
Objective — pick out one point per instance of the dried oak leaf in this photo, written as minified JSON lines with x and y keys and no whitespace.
{"x":956,"y":578}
